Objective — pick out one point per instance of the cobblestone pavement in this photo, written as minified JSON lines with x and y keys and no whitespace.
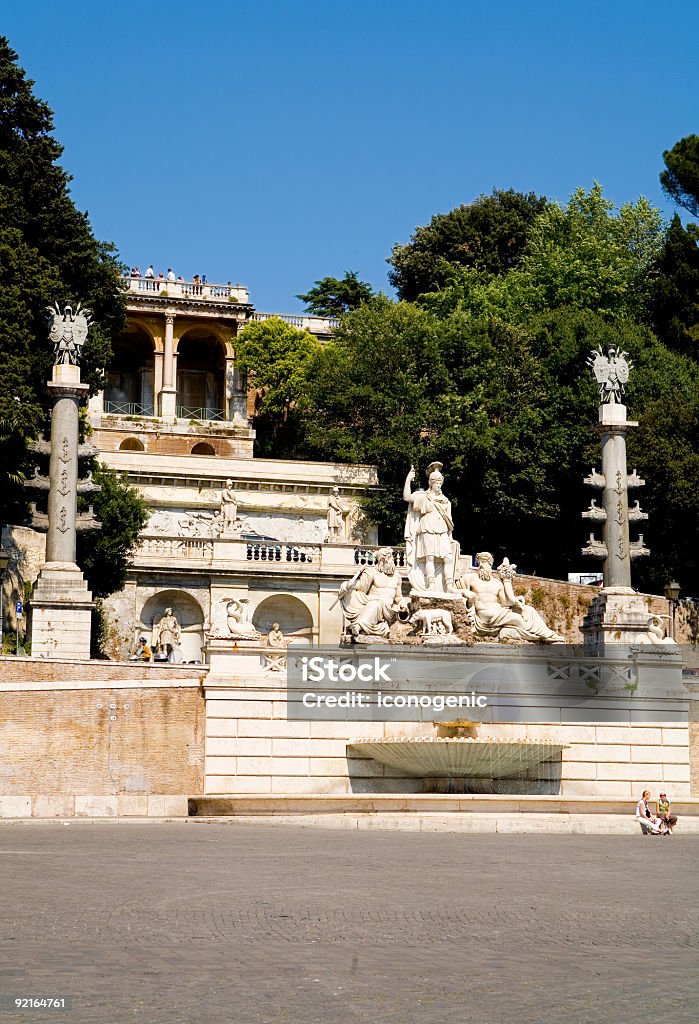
{"x":250,"y":924}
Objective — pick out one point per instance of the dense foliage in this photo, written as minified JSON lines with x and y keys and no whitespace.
{"x":487,"y":372}
{"x":104,"y":556}
{"x":47,"y":253}
{"x":680,"y":179}
{"x":275,"y":360}
{"x":332,"y":296}
{"x":488,"y":235}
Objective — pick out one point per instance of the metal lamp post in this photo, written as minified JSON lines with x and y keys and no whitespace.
{"x":672,"y":593}
{"x":4,"y":561}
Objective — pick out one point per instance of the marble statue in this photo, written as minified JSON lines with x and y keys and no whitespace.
{"x":229,"y":509}
{"x":372,"y":600}
{"x":656,"y":631}
{"x":433,"y":621}
{"x":238,"y":619}
{"x":167,"y":632}
{"x":199,"y":524}
{"x":611,"y":372}
{"x":430,"y":550}
{"x":68,"y":332}
{"x":494,"y":608}
{"x":336,"y":515}
{"x":275,"y":637}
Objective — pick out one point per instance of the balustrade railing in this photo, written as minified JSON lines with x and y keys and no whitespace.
{"x":245,"y":551}
{"x":314,"y":324}
{"x":268,"y":551}
{"x":367,"y":556}
{"x":161,"y":287}
{"x":177,"y":547}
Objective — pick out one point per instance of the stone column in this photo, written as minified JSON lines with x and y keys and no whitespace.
{"x":168,"y":394}
{"x":61,"y":605}
{"x":617,"y":614}
{"x":613,"y":427}
{"x":236,"y":400}
{"x":66,"y":389}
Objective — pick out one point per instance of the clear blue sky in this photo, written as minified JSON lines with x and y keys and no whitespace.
{"x":274,"y":143}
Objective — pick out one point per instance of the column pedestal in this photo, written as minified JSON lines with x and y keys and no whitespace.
{"x":61,"y":613}
{"x":617,"y":615}
{"x":61,"y":605}
{"x":168,"y":404}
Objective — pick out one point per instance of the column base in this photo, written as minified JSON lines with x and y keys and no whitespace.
{"x":168,"y":404}
{"x":61,"y":613}
{"x":617,"y":615}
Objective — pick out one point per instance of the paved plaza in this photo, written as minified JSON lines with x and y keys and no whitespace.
{"x":286,"y":925}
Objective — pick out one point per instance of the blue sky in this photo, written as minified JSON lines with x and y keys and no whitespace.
{"x":273,"y":143}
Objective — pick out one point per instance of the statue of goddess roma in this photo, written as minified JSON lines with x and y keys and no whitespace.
{"x":430,"y":550}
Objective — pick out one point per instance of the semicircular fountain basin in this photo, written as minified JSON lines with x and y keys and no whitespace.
{"x":464,"y":758}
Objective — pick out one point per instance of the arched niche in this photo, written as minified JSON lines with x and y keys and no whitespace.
{"x":294,"y":618}
{"x":201,"y":372}
{"x":203,"y":448}
{"x":189,"y":614}
{"x":129,"y":391}
{"x":131,"y":444}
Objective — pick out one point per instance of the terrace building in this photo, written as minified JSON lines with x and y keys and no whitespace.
{"x":175,"y":418}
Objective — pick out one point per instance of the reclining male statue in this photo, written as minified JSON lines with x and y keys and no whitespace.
{"x":495,"y":610}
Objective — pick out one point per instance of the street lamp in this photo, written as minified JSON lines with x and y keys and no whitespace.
{"x":4,"y":560}
{"x":672,"y":593}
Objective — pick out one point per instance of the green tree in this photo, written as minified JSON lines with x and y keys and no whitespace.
{"x":488,"y":235}
{"x":674,"y":294}
{"x":48,"y":253}
{"x":398,"y":386}
{"x":334,"y":296}
{"x":275,"y":360}
{"x":105,"y":555}
{"x":510,"y":410}
{"x":374,"y":397}
{"x":680,"y":179}
{"x":584,"y":255}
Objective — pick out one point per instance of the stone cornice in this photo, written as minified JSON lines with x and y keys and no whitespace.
{"x":210,"y":308}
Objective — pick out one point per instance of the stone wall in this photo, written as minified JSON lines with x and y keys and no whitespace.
{"x":563,"y":606}
{"x":173,"y":444}
{"x":27,"y":553}
{"x":99,"y":729}
{"x":252,"y":748}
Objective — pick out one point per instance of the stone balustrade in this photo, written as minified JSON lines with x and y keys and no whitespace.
{"x":157,"y":549}
{"x":160,"y":287}
{"x":271,"y":551}
{"x":246,"y":554}
{"x":313,"y":324}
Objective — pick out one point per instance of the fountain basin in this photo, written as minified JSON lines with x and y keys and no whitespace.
{"x":459,"y":758}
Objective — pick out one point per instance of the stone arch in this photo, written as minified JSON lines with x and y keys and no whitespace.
{"x":129,"y":390}
{"x":214,"y":330}
{"x":131,"y":444}
{"x":201,"y":374}
{"x":203,"y":448}
{"x":189,"y":614}
{"x":293,"y":616}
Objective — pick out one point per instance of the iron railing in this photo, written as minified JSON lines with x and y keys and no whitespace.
{"x":128,"y":408}
{"x":186,"y":412}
